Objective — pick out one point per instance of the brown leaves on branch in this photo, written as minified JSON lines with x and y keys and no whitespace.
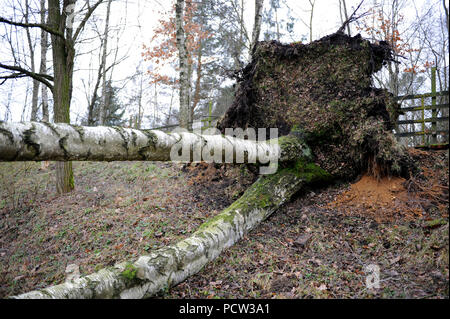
{"x":162,"y":50}
{"x":380,"y":26}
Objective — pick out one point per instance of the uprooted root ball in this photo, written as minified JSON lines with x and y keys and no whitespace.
{"x":323,"y":92}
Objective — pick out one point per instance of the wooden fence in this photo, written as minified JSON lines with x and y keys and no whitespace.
{"x":429,"y":135}
{"x":207,"y":121}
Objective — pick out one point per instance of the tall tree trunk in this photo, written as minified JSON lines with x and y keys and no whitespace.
{"x":277,"y":24}
{"x":256,"y":24}
{"x":24,"y":109}
{"x":311,"y":2}
{"x":184,"y":72}
{"x":238,"y":49}
{"x":140,"y":107}
{"x":189,"y":92}
{"x":91,"y":120}
{"x":43,"y":66}
{"x":196,"y":96}
{"x":170,"y":107}
{"x":446,"y":11}
{"x":198,"y":80}
{"x":35,"y":90}
{"x":91,"y":106}
{"x":155,"y":104}
{"x":35,"y":141}
{"x":345,"y":14}
{"x":63,"y":58}
{"x":104,"y":105}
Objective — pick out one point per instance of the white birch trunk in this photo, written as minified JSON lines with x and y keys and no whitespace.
{"x":256,"y":24}
{"x":43,"y":66}
{"x":40,"y":141}
{"x":104,"y":106}
{"x":183,"y":63}
{"x":35,"y":90}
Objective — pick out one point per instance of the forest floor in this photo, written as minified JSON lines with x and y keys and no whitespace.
{"x":318,"y":245}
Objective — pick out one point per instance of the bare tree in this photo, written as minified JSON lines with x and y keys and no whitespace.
{"x":183,"y":63}
{"x":103,"y":105}
{"x":312,"y":3}
{"x":309,"y":24}
{"x":31,"y":47}
{"x":43,"y":65}
{"x":257,"y":24}
{"x":63,"y":38}
{"x":343,"y":10}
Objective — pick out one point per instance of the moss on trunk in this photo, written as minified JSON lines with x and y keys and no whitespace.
{"x":168,"y":266}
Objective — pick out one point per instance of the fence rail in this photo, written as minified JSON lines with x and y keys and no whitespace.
{"x":205,"y":120}
{"x":434,"y":119}
{"x":425,"y":95}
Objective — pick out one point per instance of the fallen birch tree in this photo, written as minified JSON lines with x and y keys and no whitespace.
{"x":334,"y":125}
{"x":170,"y":265}
{"x":40,"y":141}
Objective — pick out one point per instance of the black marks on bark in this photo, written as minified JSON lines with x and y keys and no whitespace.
{"x":151,"y":143}
{"x":122,"y":134}
{"x":29,"y":142}
{"x":102,"y":142}
{"x":8,"y":134}
{"x":88,"y":154}
{"x":133,"y":138}
{"x":152,"y":139}
{"x":52,"y":128}
{"x":63,"y":144}
{"x":142,"y":151}
{"x":79,"y":130}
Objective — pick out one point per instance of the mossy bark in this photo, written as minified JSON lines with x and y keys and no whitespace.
{"x":168,"y":266}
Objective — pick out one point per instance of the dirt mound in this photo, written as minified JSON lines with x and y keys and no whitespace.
{"x":382,"y":199}
{"x":390,"y":198}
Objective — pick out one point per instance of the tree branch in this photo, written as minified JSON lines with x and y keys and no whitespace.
{"x":32,"y":25}
{"x":21,"y":72}
{"x":11,"y":76}
{"x":352,"y":18}
{"x":85,"y":19}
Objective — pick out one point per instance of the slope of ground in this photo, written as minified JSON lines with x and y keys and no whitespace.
{"x":317,"y":246}
{"x":118,"y":211}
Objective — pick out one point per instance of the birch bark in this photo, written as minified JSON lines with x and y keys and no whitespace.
{"x":183,"y":64}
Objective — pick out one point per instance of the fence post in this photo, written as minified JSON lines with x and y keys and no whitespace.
{"x":210,"y":111}
{"x":422,"y":101}
{"x":433,"y":105}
